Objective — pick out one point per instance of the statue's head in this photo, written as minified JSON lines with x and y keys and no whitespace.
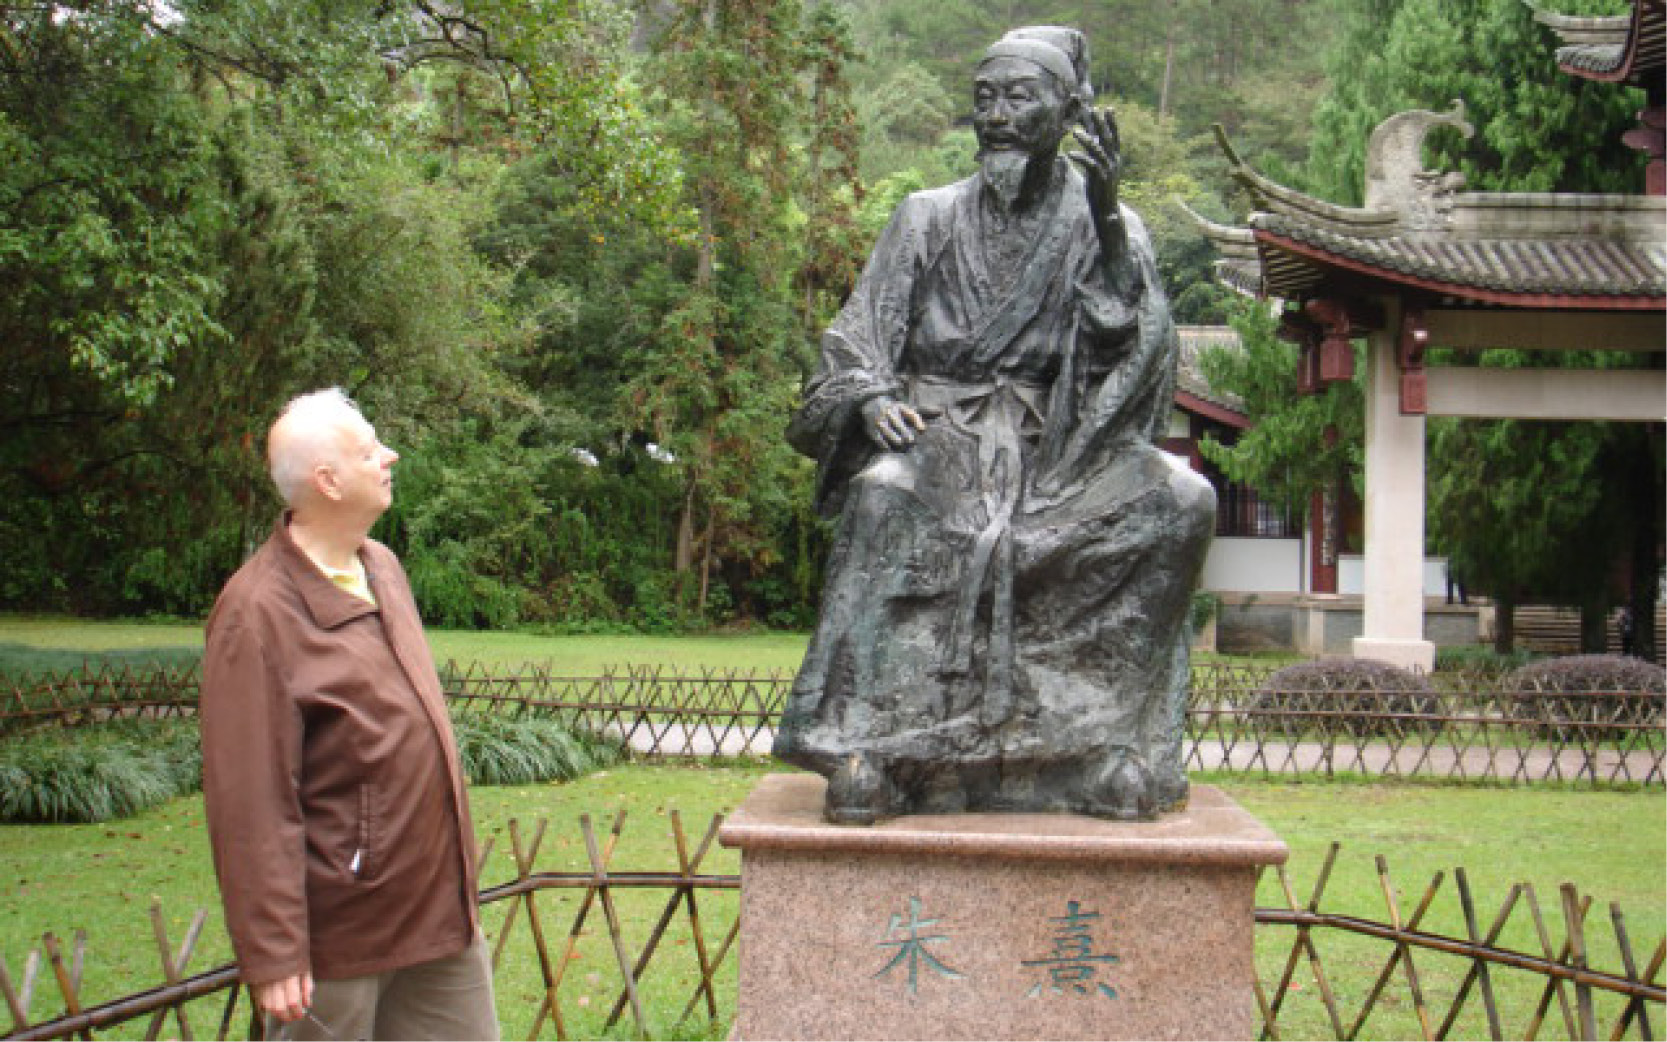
{"x":1030,"y":87}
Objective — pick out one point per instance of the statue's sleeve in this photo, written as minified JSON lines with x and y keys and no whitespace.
{"x":1121,"y":376}
{"x":860,"y":354}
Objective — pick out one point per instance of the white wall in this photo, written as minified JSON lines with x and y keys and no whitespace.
{"x":1351,"y":575}
{"x":1241,"y":565}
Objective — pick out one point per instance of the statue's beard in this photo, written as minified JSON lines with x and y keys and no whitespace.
{"x":1004,"y":175}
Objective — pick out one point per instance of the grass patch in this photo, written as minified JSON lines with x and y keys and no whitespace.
{"x":101,"y":878}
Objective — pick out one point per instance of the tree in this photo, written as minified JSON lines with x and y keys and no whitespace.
{"x":1297,"y":444}
{"x":210,"y":211}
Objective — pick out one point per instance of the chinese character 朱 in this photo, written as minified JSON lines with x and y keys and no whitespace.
{"x":911,"y":944}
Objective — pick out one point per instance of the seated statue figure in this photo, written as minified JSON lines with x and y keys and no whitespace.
{"x":1003,"y":625}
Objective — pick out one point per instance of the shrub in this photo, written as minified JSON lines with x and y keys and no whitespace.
{"x":117,"y":768}
{"x":99,"y":772}
{"x":500,"y":750}
{"x":1203,"y":607}
{"x":1588,"y":696}
{"x":1355,"y":697}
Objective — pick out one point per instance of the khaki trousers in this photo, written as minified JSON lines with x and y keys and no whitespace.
{"x":449,"y":998}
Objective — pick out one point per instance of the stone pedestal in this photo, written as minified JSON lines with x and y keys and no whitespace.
{"x":995,"y":926}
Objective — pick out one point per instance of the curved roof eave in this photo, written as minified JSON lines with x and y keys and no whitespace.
{"x":1322,"y":258}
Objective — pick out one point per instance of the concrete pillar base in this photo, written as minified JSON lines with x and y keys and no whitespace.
{"x":1408,"y":654}
{"x":1005,"y":926}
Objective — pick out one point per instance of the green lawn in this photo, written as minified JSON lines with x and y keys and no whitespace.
{"x":59,"y":643}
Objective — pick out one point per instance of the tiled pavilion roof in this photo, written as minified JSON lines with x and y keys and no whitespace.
{"x":1625,"y":48}
{"x":1521,"y":249}
{"x":1192,"y":389}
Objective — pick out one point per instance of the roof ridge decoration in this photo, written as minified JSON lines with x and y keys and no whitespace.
{"x":1272,"y":197}
{"x":1395,"y":176}
{"x":1420,"y":232}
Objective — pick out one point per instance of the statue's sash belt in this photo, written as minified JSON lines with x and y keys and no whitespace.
{"x":1001,"y":413}
{"x":969,"y":404}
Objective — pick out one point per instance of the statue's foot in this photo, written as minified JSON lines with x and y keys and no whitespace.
{"x":1172,"y":793}
{"x":1123,"y":789}
{"x":859,"y":793}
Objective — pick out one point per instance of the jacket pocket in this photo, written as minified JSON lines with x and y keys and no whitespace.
{"x":363,"y":862}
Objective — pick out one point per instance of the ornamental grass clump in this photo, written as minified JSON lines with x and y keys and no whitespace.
{"x":1588,"y":696}
{"x":97,"y":772}
{"x":1358,"y":698}
{"x":498,"y":750}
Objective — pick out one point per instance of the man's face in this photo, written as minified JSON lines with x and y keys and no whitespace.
{"x":364,"y":468}
{"x":1017,"y":107}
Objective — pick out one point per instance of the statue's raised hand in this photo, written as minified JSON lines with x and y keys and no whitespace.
{"x":1101,"y":160}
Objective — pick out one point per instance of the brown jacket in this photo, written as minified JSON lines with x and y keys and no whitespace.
{"x":336,"y":806}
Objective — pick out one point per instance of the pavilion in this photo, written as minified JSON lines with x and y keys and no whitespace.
{"x":1423,"y":264}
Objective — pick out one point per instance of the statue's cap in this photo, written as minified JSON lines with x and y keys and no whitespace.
{"x":1061,"y":50}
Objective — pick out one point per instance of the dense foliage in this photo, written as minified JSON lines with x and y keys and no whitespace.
{"x":573,"y":260}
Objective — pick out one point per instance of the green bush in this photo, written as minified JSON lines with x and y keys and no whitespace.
{"x":499,"y":750}
{"x":98,"y":772}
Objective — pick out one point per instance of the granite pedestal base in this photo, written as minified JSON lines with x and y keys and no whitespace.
{"x":995,"y":926}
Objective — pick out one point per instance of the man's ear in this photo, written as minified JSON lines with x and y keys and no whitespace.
{"x":324,"y":480}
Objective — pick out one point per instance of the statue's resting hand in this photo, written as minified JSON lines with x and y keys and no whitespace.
{"x":891,"y":424}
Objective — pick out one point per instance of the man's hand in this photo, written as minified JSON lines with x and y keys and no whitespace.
{"x":891,"y":424}
{"x":1101,"y":160}
{"x":287,"y":999}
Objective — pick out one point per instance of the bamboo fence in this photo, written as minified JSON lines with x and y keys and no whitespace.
{"x":1466,"y":727}
{"x":670,"y":962}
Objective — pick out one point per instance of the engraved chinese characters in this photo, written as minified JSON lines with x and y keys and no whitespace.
{"x":1070,"y":966}
{"x":1003,"y":621}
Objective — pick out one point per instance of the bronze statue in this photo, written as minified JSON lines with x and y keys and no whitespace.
{"x":1004,"y":621}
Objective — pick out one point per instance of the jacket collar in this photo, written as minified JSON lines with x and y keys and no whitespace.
{"x":330,"y":605}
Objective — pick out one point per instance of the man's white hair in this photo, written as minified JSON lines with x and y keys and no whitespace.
{"x":307,"y":433}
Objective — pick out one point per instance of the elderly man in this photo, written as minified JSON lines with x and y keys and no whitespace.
{"x":336,"y":806}
{"x":1003,"y":622}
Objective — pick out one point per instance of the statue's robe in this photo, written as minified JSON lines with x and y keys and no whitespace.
{"x":1006,"y":601}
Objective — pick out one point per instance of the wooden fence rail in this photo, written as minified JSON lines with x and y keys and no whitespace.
{"x":668,"y":963}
